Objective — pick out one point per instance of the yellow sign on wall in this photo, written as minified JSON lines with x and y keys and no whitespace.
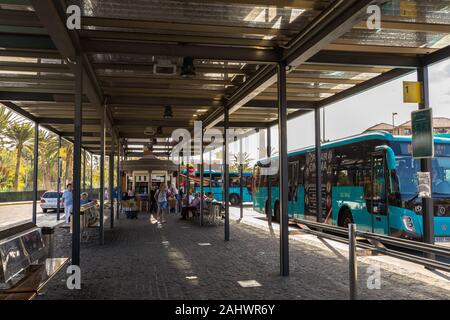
{"x":408,"y":8}
{"x":412,"y":92}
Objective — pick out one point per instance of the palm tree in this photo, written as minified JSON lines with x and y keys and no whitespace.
{"x":246,"y":160}
{"x":5,"y":118}
{"x":48,"y":153}
{"x":19,"y":135}
{"x":69,"y":165}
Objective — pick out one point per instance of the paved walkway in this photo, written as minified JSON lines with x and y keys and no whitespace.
{"x":183,"y":261}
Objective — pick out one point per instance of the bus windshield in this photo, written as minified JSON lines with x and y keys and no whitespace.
{"x":407,"y":169}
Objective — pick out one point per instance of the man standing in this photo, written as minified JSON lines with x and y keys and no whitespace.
{"x":67,"y":198}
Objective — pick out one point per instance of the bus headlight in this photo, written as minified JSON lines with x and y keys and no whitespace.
{"x":408,"y":223}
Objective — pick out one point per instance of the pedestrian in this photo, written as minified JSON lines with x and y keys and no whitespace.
{"x":174,"y":196}
{"x":161,"y":197}
{"x":84,"y":198}
{"x":67,"y":199}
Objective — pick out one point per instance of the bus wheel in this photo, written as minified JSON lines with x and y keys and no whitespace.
{"x":345,"y":218}
{"x":277,"y":212}
{"x":234,"y":199}
{"x":266,"y":210}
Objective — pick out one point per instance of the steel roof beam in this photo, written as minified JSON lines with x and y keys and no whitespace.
{"x":365,"y":59}
{"x":51,"y":15}
{"x":157,"y":101}
{"x":338,"y":19}
{"x":37,"y":97}
{"x":298,"y":4}
{"x":435,"y":57}
{"x":221,"y":53}
{"x":63,"y":121}
{"x":27,"y":42}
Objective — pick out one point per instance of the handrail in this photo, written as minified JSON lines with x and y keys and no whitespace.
{"x":88,"y":206}
{"x":404,"y":243}
{"x":351,"y":238}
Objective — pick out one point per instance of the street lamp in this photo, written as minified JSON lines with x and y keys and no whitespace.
{"x":393,"y":121}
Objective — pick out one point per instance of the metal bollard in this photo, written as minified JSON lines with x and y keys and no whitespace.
{"x":352,"y":261}
{"x":48,"y":237}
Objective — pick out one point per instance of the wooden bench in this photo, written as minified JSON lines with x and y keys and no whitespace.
{"x":209,"y":216}
{"x":36,"y":278}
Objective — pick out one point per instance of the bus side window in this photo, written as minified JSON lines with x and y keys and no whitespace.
{"x":293,"y":174}
{"x":343,"y":178}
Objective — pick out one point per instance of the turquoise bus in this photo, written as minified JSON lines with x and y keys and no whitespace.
{"x":369,"y":180}
{"x":216,"y":185}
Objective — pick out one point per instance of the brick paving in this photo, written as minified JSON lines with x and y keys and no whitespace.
{"x":141,"y":261}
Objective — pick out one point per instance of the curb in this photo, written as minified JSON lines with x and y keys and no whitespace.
{"x":2,"y":204}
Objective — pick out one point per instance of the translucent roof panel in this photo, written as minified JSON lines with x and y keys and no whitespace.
{"x":261,"y":22}
{"x":435,"y":11}
{"x":396,"y":38}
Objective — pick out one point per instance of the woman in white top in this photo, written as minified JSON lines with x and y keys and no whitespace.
{"x":161,"y":198}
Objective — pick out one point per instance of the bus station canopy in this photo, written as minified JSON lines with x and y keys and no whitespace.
{"x":129,"y":47}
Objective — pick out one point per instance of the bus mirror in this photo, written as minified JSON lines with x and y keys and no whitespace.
{"x":390,"y":156}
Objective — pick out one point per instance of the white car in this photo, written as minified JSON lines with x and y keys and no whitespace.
{"x":49,"y":201}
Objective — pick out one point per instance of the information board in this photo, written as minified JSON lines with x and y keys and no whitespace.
{"x":422,"y":134}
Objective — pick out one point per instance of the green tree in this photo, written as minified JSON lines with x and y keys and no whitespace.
{"x":19,"y":135}
{"x":246,"y":162}
{"x":48,"y":158}
{"x":5,"y":118}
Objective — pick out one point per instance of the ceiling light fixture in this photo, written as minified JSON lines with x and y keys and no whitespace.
{"x":188,"y":69}
{"x":168,"y":112}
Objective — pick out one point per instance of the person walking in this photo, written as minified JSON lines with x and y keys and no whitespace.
{"x":161,"y":197}
{"x":67,"y":199}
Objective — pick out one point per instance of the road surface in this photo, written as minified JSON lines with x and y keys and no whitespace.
{"x":19,"y":213}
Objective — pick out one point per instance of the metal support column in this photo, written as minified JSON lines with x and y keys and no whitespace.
{"x":178,"y":175}
{"x":226,"y":176}
{"x":319,"y":214}
{"x":102,"y":178}
{"x":269,"y":179}
{"x":58,"y":183}
{"x":283,"y":170}
{"x":188,"y":182}
{"x":118,"y":180}
{"x":210,"y":172}
{"x":202,"y":191}
{"x":77,"y":162}
{"x":35,"y":170}
{"x":241,"y":181}
{"x":425,"y":164}
{"x":111,"y":179}
{"x":91,"y":188}
{"x":352,"y":261}
{"x":84,"y":170}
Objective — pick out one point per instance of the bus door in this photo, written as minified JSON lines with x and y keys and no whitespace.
{"x":293,"y":185}
{"x":379,"y":206}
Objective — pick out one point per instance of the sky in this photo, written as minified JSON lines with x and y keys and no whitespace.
{"x":354,"y":115}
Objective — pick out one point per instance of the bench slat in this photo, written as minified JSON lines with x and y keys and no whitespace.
{"x":35,"y":280}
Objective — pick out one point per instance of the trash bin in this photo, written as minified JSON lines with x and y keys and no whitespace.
{"x":48,"y":238}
